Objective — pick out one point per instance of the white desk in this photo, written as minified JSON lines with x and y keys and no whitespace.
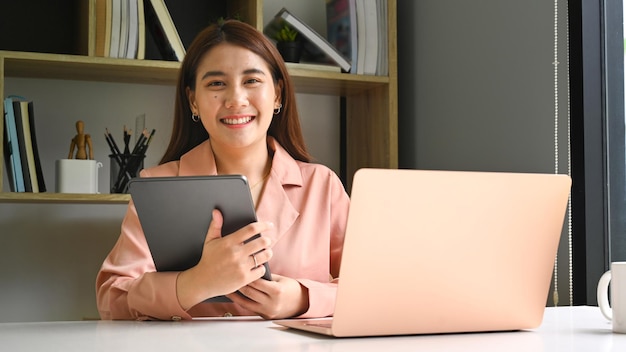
{"x":563,"y":329}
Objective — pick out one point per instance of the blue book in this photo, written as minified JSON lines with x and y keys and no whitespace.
{"x":13,"y":146}
{"x":8,"y":153}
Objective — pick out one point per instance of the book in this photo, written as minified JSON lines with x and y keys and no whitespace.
{"x":124,"y":25}
{"x":116,"y":22}
{"x":28,"y":141}
{"x":107,"y":27}
{"x":12,"y":149}
{"x":311,"y":36}
{"x":159,"y":23}
{"x":8,"y":159}
{"x":41,"y":184}
{"x":315,"y":67}
{"x":133,"y":30}
{"x":382,"y":67}
{"x":21,"y":139}
{"x":361,"y":40}
{"x":141,"y":31}
{"x":100,"y":27}
{"x":341,"y":28}
{"x":371,"y":37}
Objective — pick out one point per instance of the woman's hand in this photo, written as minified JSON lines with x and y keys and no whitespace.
{"x":226,"y":263}
{"x":281,"y":298}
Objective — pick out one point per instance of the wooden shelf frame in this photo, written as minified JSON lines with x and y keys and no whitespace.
{"x":371,"y":101}
{"x":69,"y":198}
{"x":102,"y":69}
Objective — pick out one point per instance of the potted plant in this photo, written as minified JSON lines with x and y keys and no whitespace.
{"x":288,"y":43}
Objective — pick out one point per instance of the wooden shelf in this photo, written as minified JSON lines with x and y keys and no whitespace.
{"x":70,"y":198}
{"x":371,"y":113}
{"x":88,"y":68}
{"x":102,"y":69}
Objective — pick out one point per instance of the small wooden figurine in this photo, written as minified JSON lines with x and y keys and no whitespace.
{"x":82,"y":142}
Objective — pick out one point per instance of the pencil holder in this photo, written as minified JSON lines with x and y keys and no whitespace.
{"x":123,"y":168}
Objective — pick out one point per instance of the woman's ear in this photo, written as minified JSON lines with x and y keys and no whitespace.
{"x":191,"y":97}
{"x":278,"y":94}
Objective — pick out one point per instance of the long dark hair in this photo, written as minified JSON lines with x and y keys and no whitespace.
{"x":285,"y":126}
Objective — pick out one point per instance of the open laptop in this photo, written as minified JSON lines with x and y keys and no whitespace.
{"x":445,"y":252}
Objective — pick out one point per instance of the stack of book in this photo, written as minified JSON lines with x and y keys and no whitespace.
{"x":121,"y":27}
{"x":356,"y":35}
{"x":21,"y":155}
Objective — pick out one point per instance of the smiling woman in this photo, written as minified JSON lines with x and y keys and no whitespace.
{"x":235,"y":113}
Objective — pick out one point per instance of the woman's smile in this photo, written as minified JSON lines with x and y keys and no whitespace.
{"x":237,"y":121}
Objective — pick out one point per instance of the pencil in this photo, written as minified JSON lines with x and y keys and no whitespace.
{"x":113,"y":144}
{"x":139,"y":142}
{"x":127,"y":134}
{"x":123,"y":173}
{"x":117,"y":157}
{"x":144,"y":147}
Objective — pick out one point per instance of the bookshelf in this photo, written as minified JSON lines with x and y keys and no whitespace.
{"x":371,"y":101}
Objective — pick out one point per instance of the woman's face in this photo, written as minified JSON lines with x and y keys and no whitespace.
{"x":235,"y":96}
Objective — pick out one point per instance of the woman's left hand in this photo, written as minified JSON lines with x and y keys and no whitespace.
{"x":278,"y":299}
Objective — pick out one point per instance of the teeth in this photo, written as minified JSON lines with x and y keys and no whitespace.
{"x":238,"y":121}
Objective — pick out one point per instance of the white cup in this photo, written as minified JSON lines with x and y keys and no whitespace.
{"x":616,"y":310}
{"x":77,"y":176}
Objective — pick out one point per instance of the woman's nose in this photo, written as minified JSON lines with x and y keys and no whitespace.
{"x":236,"y":97}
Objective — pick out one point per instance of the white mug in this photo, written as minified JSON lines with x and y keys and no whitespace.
{"x":77,"y":176}
{"x":616,"y":310}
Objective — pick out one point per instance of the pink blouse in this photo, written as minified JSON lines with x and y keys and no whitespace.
{"x":309,"y":208}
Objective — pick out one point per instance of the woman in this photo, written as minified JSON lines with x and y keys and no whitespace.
{"x":234,"y":87}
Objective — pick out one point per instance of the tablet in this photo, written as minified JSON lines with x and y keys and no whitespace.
{"x":175,"y":213}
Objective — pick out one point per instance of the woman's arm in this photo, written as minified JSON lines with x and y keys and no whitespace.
{"x":128,"y":286}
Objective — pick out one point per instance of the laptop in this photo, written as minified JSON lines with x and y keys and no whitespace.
{"x":429,"y":252}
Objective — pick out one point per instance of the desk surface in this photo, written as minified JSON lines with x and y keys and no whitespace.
{"x":563,"y":329}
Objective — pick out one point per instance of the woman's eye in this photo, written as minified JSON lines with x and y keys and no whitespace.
{"x":252,"y":80}
{"x":215,"y":84}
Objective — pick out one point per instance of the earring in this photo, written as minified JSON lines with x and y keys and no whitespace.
{"x":194,"y":117}
{"x":277,"y":111}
